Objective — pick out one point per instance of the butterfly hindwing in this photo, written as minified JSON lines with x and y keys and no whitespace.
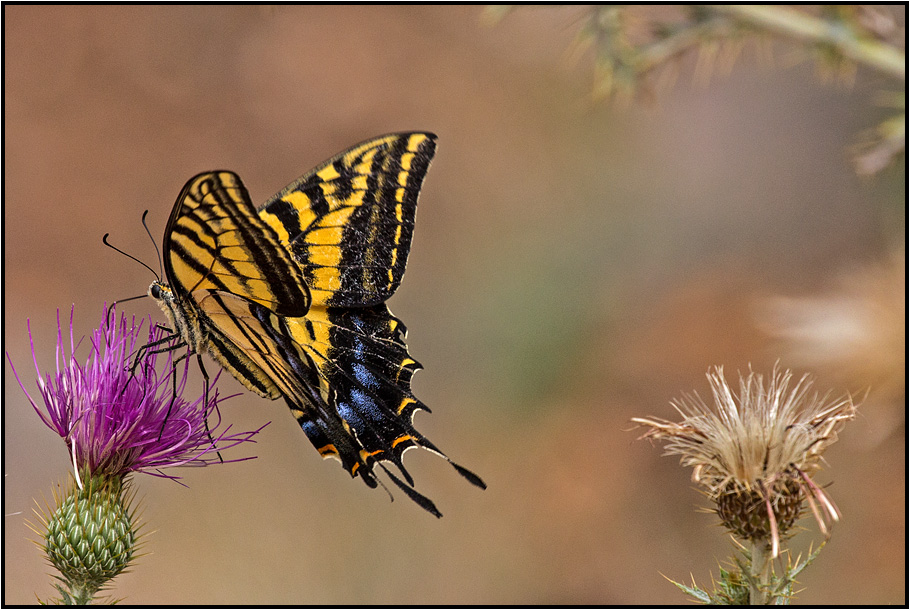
{"x":345,"y":374}
{"x":349,"y":222}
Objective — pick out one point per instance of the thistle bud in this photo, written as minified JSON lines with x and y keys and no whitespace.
{"x":90,"y":537}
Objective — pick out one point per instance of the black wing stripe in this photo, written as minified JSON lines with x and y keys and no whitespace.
{"x":359,"y":398}
{"x":216,"y":240}
{"x":372,"y":189}
{"x":296,"y":375}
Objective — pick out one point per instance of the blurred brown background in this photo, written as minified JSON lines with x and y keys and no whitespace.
{"x":574,"y":265}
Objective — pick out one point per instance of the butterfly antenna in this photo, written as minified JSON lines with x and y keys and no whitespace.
{"x":118,"y":301}
{"x":154,"y":243}
{"x":113,"y":247}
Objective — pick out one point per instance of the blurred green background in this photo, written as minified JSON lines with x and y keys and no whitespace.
{"x":575,"y":264}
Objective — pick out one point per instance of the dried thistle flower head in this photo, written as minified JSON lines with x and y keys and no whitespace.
{"x":755,"y":451}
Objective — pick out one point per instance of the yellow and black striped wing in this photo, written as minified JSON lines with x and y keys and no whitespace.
{"x":345,"y":374}
{"x":290,"y":299}
{"x":349,"y":222}
{"x":215,"y":240}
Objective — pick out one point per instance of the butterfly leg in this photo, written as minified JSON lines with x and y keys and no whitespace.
{"x":205,"y":403}
{"x":174,"y":391}
{"x":146,"y":350}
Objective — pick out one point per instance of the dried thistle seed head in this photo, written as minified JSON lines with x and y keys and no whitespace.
{"x":746,"y":515}
{"x":754,"y":452}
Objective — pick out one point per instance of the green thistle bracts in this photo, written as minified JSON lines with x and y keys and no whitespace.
{"x":90,"y":537}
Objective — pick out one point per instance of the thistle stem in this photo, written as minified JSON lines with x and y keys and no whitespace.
{"x":801,"y":26}
{"x":760,"y":583}
{"x":77,"y":595}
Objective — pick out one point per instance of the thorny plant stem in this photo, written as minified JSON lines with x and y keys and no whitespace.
{"x":80,"y":595}
{"x":760,"y":583}
{"x":661,"y":51}
{"x":795,"y":24}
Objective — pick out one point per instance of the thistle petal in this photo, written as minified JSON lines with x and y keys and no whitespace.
{"x":117,"y":416}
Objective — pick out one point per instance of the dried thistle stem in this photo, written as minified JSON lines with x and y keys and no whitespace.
{"x":799,"y":25}
{"x":760,"y":581}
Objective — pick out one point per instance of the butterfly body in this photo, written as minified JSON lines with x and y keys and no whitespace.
{"x":290,"y":298}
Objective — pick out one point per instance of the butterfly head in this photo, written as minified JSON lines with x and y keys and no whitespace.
{"x":164,"y":296}
{"x":161,"y":292}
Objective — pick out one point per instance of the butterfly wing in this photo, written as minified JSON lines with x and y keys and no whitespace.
{"x":349,"y":222}
{"x":215,"y":240}
{"x":345,"y":374}
{"x":291,"y":300}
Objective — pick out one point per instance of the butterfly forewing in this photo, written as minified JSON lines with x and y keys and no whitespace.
{"x":215,"y":241}
{"x":290,"y":300}
{"x":349,"y":222}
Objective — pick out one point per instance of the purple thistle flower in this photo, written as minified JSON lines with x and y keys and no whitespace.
{"x":116,"y":421}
